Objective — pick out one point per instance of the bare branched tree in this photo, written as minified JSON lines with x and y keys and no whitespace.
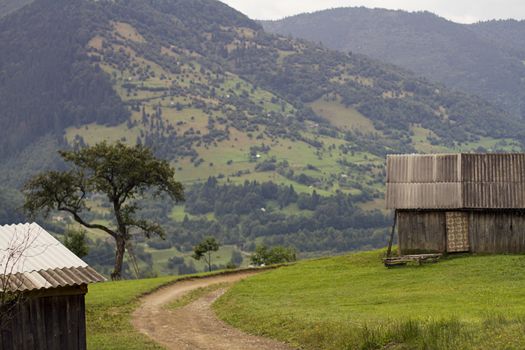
{"x":12,"y":259}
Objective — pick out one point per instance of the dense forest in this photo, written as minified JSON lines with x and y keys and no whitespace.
{"x":9,"y":6}
{"x":46,"y":80}
{"x":482,"y":58}
{"x":244,"y":213}
{"x":254,"y":213}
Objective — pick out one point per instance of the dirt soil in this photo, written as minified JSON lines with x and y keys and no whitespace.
{"x":195,"y":326}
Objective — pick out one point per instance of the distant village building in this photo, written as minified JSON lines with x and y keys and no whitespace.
{"x":50,"y":282}
{"x":458,"y":202}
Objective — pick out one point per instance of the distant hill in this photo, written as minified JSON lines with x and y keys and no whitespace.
{"x":277,"y":140}
{"x":507,"y":34}
{"x":485,"y":59}
{"x":104,"y":60}
{"x":9,"y":6}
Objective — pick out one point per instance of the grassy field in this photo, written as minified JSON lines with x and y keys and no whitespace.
{"x":221,"y":257}
{"x":341,"y":116}
{"x":108,"y":312}
{"x":353,"y":302}
{"x":196,"y":294}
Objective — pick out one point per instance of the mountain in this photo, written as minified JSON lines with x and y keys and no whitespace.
{"x":507,"y":34}
{"x":9,"y":6}
{"x":484,"y":59}
{"x":277,"y":140}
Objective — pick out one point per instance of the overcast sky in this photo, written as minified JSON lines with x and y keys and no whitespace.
{"x":464,"y":11}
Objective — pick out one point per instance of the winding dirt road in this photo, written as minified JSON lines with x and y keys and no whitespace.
{"x":195,"y":326}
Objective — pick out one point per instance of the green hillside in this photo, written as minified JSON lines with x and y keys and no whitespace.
{"x":484,"y":59}
{"x":277,"y":140}
{"x":354,"y":302}
{"x":109,"y":306}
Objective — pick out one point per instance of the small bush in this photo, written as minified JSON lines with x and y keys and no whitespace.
{"x":269,"y":256}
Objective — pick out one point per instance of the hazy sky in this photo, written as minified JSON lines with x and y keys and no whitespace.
{"x":464,"y":11}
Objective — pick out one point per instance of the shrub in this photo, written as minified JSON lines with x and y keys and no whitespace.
{"x":276,"y":255}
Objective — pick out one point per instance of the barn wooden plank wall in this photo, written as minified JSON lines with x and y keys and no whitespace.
{"x":423,"y":168}
{"x":493,"y":180}
{"x":421,"y":231}
{"x":423,"y":181}
{"x":490,"y":231}
{"x":47,"y":323}
{"x":500,"y":167}
{"x":497,"y":231}
{"x":455,"y":181}
{"x":424,"y":195}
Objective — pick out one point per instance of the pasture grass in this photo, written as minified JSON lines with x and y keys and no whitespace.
{"x":94,"y":133}
{"x":161,"y":257}
{"x":421,"y":143}
{"x":108,"y":312}
{"x":196,"y":294}
{"x":109,"y":307}
{"x":354,"y":302}
{"x":341,"y":116}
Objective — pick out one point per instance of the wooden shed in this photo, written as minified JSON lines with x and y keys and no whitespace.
{"x":42,"y":288}
{"x":458,"y":202}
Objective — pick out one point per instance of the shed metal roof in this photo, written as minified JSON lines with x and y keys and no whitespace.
{"x":456,"y":181}
{"x":32,"y":259}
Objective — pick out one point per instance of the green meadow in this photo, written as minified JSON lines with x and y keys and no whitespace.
{"x":108,"y":313}
{"x":109,"y":307}
{"x":348,"y":302}
{"x":354,"y":302}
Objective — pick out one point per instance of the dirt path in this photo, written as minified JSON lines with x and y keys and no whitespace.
{"x":195,"y":326}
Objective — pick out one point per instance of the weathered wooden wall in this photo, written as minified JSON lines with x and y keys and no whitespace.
{"x":424,"y":195}
{"x":419,"y":181}
{"x":53,"y":322}
{"x":421,"y":231}
{"x":423,"y":168}
{"x":497,"y":231}
{"x":456,"y":181}
{"x":490,"y":231}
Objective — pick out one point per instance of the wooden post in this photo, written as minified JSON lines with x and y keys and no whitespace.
{"x":391,"y":241}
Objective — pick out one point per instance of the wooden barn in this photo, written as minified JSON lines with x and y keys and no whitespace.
{"x":42,"y":288}
{"x":448,"y":203}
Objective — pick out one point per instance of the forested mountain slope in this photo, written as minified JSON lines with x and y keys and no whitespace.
{"x":484,"y":59}
{"x":9,"y":6}
{"x":277,"y":140}
{"x":507,"y":34}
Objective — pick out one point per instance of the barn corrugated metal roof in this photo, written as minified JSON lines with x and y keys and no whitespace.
{"x":456,"y":181}
{"x":33,"y":259}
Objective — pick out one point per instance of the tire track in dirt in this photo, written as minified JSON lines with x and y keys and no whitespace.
{"x":195,"y":326}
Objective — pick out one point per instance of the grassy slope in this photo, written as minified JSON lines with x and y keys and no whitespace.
{"x":221,"y":257}
{"x":236,"y":150}
{"x":229,"y":157}
{"x":108,"y":312}
{"x":353,"y":302}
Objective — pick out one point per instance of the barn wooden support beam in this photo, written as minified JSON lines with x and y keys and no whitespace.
{"x":391,"y":240}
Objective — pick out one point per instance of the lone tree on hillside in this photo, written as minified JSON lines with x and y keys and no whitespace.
{"x":118,"y":172}
{"x":204,"y":249}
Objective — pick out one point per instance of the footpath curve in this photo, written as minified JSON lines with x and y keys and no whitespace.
{"x":195,"y":325}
